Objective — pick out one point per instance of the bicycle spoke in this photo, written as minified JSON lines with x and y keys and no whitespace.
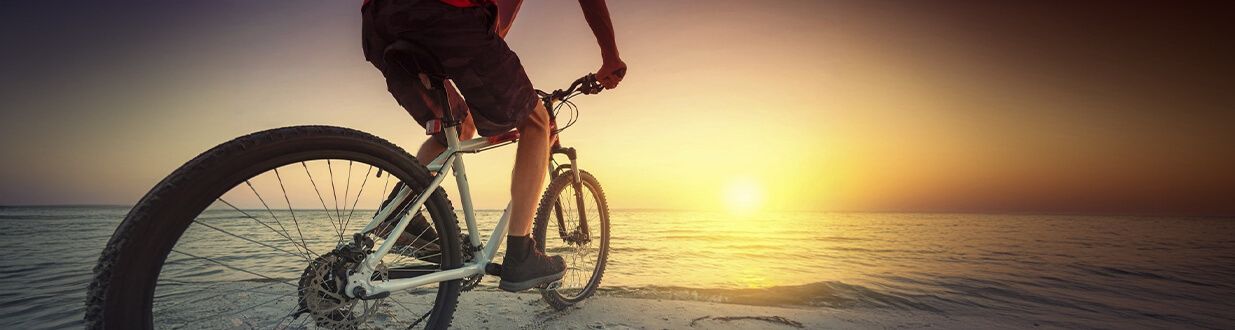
{"x":247,"y":290}
{"x":304,"y":322}
{"x":295,"y":308}
{"x":293,"y":212}
{"x":346,"y":189}
{"x":212,"y":316}
{"x":385,"y":183}
{"x":271,"y":281}
{"x":250,"y":240}
{"x":289,"y":238}
{"x":228,"y":292}
{"x":319,"y":197}
{"x":333,"y":191}
{"x":581,"y":259}
{"x":358,"y":193}
{"x":574,"y":275}
{"x":220,"y":263}
{"x":213,"y":280}
{"x":276,"y":219}
{"x":429,"y":255}
{"x":403,"y":255}
{"x":396,"y":301}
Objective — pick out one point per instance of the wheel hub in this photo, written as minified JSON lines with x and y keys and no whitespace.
{"x":321,"y":289}
{"x":577,"y":237}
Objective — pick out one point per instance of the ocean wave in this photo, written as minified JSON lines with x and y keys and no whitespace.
{"x":1109,"y":271}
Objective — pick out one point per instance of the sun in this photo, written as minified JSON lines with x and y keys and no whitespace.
{"x":743,"y":196}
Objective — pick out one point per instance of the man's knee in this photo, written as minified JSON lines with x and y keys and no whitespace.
{"x":537,"y":121}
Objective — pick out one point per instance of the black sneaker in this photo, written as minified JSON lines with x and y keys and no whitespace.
{"x":525,"y":267}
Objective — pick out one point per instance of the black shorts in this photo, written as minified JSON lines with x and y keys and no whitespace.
{"x":498,"y":94}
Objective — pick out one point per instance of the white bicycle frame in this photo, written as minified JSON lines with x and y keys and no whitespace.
{"x":453,"y":156}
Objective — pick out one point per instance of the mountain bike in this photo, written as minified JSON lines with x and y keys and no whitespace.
{"x":267,"y":231}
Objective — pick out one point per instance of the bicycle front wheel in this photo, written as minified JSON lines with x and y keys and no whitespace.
{"x":573,"y":221}
{"x":245,"y":235}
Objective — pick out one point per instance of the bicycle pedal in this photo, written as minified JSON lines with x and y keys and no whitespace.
{"x":552,"y":285}
{"x":493,"y":269}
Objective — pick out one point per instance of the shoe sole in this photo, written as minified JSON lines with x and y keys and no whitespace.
{"x":528,"y":284}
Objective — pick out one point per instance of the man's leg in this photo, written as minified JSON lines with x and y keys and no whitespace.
{"x":531,"y":164}
{"x":525,"y":266}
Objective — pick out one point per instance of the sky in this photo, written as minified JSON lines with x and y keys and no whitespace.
{"x":944,"y":106}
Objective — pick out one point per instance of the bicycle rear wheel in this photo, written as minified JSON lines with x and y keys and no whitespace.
{"x":242,"y":236}
{"x":573,"y":221}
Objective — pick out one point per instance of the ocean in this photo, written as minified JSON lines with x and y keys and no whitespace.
{"x":1055,"y":271}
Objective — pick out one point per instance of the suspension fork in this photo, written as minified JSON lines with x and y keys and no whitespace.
{"x":577,"y":184}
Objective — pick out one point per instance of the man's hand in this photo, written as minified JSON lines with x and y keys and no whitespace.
{"x":611,"y":73}
{"x":597,"y":15}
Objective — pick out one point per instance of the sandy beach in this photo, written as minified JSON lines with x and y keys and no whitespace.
{"x":501,"y":310}
{"x":494,"y":310}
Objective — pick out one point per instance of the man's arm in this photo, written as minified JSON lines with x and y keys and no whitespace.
{"x":612,"y":68}
{"x":506,"y":11}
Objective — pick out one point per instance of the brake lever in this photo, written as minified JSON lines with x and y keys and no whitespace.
{"x":590,"y":85}
{"x":586,"y":85}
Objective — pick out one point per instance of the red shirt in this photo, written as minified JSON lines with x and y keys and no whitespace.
{"x":461,"y":3}
{"x":468,"y":3}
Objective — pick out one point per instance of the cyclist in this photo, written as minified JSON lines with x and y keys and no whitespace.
{"x":490,"y":92}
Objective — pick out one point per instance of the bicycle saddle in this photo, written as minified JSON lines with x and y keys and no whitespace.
{"x":418,"y":61}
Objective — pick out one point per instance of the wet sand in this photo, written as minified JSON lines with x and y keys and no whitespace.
{"x":500,"y":310}
{"x":493,"y":310}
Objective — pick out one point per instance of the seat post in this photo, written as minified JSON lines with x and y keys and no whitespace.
{"x":449,"y":123}
{"x":437,"y":86}
{"x":428,"y":68}
{"x":448,"y":114}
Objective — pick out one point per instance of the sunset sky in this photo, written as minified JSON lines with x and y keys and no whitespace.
{"x":785,"y":105}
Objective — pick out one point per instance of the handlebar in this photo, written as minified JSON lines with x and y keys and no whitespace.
{"x":585,"y":85}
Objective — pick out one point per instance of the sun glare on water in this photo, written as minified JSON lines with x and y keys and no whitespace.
{"x":743,"y":196}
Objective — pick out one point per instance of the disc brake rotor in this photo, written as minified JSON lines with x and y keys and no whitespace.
{"x":321,"y":294}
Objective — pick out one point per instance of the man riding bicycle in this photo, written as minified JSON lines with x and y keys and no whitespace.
{"x":490,"y":92}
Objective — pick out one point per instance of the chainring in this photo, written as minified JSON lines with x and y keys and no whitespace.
{"x":469,"y":282}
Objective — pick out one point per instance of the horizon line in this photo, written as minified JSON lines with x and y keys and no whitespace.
{"x":638,"y":209}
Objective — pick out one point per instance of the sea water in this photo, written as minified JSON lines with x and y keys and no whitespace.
{"x":1069,"y":271}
